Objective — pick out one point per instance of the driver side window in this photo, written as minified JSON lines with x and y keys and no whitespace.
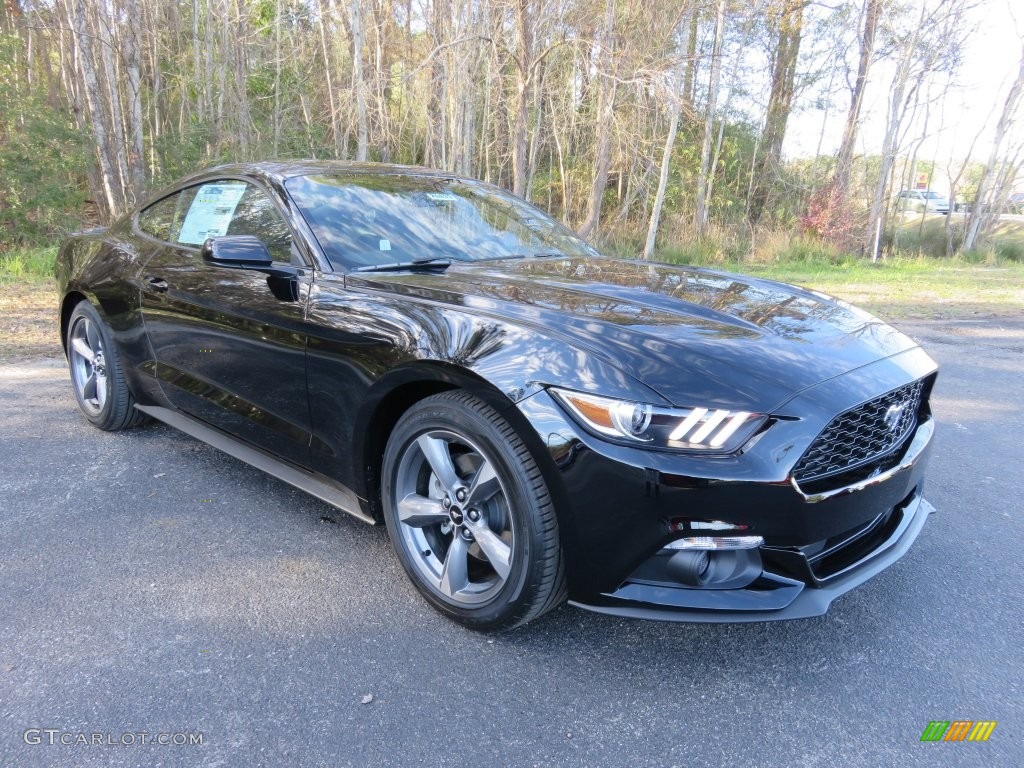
{"x":256,"y":215}
{"x":233,"y":207}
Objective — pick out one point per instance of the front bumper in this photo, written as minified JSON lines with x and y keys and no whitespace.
{"x":772,"y":597}
{"x":619,"y":507}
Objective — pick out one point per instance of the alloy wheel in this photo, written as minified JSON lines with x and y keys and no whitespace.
{"x":453,"y":516}
{"x":88,"y":365}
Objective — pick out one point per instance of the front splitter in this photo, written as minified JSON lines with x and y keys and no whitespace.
{"x":810,"y":601}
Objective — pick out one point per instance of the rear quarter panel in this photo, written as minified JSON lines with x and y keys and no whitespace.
{"x":104,"y":266}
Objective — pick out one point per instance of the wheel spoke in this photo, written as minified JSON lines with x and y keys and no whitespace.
{"x":81,"y":346}
{"x":89,"y":388}
{"x":498,"y":553}
{"x":436,"y":453}
{"x":484,"y":484}
{"x":101,"y":389}
{"x":420,"y":511}
{"x":454,"y":576}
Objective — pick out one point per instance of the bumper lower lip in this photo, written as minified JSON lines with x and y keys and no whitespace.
{"x":800,"y":600}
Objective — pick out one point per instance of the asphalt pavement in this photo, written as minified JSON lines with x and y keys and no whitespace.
{"x":154,"y":589}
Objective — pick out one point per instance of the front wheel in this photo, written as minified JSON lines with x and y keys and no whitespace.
{"x":469,"y":514}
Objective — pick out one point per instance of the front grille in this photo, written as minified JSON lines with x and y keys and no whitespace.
{"x":863,"y":435}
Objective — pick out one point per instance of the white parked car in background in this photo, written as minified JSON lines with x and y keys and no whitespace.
{"x":922,"y":200}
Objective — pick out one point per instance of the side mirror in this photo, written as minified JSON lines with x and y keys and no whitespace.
{"x":239,"y":251}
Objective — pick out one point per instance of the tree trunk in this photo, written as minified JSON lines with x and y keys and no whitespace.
{"x":666,"y":164}
{"x":358,"y":84}
{"x":982,"y":214}
{"x":844,"y":161}
{"x":524,"y":61}
{"x":136,"y":151}
{"x":340,"y":150}
{"x":780,"y":103}
{"x":606,"y":88}
{"x":700,"y":212}
{"x":111,"y":197}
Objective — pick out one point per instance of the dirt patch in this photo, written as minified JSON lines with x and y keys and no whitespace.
{"x":28,"y":321}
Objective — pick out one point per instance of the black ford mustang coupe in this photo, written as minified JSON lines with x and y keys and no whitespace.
{"x":532,"y":421}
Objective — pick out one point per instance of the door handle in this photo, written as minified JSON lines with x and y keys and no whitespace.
{"x":157,"y":284}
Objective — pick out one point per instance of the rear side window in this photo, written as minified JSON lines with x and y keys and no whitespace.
{"x":158,"y":220}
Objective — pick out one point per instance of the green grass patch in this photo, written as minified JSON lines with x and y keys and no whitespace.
{"x":905,"y":287}
{"x":27,"y":265}
{"x":929,"y":237}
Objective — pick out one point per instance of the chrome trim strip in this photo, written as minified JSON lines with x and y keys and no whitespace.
{"x":924,"y":433}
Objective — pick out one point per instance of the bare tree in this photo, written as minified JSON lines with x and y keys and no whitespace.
{"x":675,"y":90}
{"x":787,"y":19}
{"x":606,"y":90}
{"x":358,"y":82}
{"x":700,"y":215}
{"x":929,"y":43}
{"x":1001,"y":168}
{"x":873,"y":10}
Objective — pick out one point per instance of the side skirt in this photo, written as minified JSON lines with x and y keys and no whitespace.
{"x":313,"y":483}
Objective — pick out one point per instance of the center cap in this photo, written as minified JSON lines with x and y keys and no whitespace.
{"x":455,"y":514}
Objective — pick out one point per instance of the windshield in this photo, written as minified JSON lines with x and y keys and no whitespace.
{"x":933,"y":196}
{"x":366,"y":220}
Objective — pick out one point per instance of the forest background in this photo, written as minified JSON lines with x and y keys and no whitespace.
{"x":655,"y":128}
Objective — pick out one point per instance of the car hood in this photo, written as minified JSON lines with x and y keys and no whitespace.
{"x":697,"y":337}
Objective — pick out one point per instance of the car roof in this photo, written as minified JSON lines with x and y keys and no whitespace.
{"x":281,"y":170}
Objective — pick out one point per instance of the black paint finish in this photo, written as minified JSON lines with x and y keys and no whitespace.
{"x":314,"y":365}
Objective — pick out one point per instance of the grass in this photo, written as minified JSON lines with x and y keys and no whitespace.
{"x":987,"y":282}
{"x":906,"y":288}
{"x":27,"y":265}
{"x":928,"y":238}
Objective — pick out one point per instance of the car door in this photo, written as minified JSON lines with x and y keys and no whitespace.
{"x":229,"y":343}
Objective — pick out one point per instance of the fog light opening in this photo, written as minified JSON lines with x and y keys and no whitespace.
{"x":720,"y":568}
{"x":692,"y":568}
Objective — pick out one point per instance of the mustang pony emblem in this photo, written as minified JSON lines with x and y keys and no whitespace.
{"x":892,"y":416}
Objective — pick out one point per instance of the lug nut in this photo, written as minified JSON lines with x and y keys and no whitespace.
{"x":473,"y":514}
{"x":461,"y":494}
{"x":446,"y":502}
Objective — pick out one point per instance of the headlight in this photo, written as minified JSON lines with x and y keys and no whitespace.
{"x":715,"y":430}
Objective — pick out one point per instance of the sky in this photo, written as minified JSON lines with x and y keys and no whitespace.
{"x":991,"y":62}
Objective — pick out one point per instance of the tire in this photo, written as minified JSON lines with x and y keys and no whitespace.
{"x":470,"y":516}
{"x":97,"y":376}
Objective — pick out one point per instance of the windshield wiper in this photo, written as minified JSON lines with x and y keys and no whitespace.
{"x":436,"y":262}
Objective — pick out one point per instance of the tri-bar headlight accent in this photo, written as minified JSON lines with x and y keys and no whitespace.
{"x":715,"y":430}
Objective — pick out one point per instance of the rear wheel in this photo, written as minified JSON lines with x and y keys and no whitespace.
{"x":96,"y":372}
{"x":469,"y":514}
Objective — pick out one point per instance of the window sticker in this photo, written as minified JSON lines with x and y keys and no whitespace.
{"x":385,"y":245}
{"x":211,"y":212}
{"x":427,"y":199}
